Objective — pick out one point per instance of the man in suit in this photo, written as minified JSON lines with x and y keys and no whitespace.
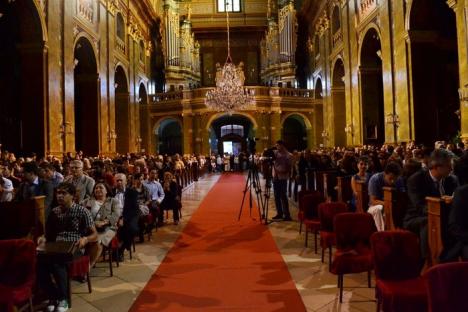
{"x":34,"y":186}
{"x":84,"y":184}
{"x":437,"y":181}
{"x":458,"y":227}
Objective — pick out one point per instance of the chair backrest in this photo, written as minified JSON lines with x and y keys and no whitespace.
{"x":301,"y":194}
{"x":310,"y":204}
{"x":448,"y":287}
{"x":353,"y":230}
{"x":17,"y":262}
{"x":327,"y":212}
{"x":396,"y":255}
{"x":17,"y":219}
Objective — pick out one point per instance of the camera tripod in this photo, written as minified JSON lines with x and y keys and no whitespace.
{"x":253,"y":181}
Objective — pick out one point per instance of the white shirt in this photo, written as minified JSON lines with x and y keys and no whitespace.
{"x":7,"y":194}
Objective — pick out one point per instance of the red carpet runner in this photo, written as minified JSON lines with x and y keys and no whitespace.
{"x":220,"y":264}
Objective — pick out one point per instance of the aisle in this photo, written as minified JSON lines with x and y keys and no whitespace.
{"x":220,"y":264}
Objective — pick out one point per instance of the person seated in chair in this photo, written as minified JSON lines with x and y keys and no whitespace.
{"x":68,"y":222}
{"x":144,"y":199}
{"x":35,"y":186}
{"x":105,"y":211}
{"x":435,"y":182}
{"x":156,"y":193}
{"x":171,"y":199}
{"x":83,"y":183}
{"x":391,"y":176}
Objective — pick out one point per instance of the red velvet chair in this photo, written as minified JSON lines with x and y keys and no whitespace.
{"x":79,"y":267}
{"x":397,"y":259}
{"x":353,"y":253}
{"x":448,"y":287}
{"x":17,"y":272}
{"x":310,"y":215}
{"x":300,"y":215}
{"x":327,"y":212}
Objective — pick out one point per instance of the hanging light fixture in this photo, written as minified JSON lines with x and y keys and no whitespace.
{"x":229,"y":94}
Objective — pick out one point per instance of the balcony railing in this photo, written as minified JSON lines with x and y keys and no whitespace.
{"x":337,"y":38}
{"x":120,"y":45}
{"x":257,"y":91}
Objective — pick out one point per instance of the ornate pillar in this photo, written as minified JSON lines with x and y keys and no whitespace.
{"x":275,"y":122}
{"x":310,"y":138}
{"x":188,"y":134}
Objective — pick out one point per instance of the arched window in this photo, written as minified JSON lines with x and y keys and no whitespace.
{"x":142,"y":51}
{"x":336,"y":24}
{"x":120,"y":27}
{"x":229,"y":5}
{"x":232,"y":129}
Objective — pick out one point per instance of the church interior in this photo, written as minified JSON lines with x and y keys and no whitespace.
{"x":233,"y":155}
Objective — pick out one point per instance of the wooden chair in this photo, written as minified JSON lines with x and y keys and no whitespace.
{"x":329,"y":185}
{"x":344,"y":192}
{"x":24,"y":219}
{"x":362,"y":197}
{"x":437,"y":215}
{"x":395,"y":206}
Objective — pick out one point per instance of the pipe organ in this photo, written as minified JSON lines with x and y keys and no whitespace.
{"x":279,"y":47}
{"x":182,"y":58}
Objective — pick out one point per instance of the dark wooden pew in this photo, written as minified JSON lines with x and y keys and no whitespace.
{"x":395,"y":205}
{"x":329,"y":185}
{"x":24,"y":219}
{"x":344,"y":190}
{"x":437,"y":214}
{"x":362,"y":196}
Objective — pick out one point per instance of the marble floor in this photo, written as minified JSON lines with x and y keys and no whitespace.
{"x":316,"y":285}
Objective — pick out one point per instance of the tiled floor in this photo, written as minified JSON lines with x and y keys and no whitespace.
{"x":315,"y":284}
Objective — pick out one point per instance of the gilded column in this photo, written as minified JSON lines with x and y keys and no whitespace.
{"x":188,"y":134}
{"x":275,"y":121}
{"x":310,"y":138}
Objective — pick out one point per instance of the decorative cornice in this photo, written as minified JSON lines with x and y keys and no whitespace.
{"x":112,"y":7}
{"x":322,"y":24}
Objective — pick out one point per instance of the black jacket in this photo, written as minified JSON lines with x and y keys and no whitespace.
{"x":44,"y":188}
{"x":420,"y":185}
{"x":457,"y":226}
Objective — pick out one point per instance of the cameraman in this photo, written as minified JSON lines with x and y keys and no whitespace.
{"x":281,"y":172}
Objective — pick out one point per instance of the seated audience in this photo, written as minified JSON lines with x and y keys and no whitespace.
{"x":171,"y":199}
{"x":144,"y":199}
{"x":391,"y":176}
{"x":51,"y":174}
{"x":362,"y":175}
{"x":156,"y":194}
{"x":84,"y":184}
{"x":105,"y":211}
{"x":68,"y":222}
{"x":6,"y":189}
{"x":435,"y":182}
{"x":34,"y":186}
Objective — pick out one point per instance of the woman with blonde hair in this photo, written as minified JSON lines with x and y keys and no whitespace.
{"x":172,"y":200}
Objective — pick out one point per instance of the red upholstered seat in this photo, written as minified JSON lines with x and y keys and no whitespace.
{"x":448,"y":287}
{"x":353,"y":254}
{"x":327,"y":212}
{"x":79,"y":267}
{"x":399,"y":286}
{"x":301,"y":205}
{"x":17,"y":272}
{"x":309,"y":214}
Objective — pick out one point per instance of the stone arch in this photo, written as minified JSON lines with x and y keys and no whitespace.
{"x":90,"y":39}
{"x":294,"y":131}
{"x":363,"y":34}
{"x":169,"y":142}
{"x":433,"y":37}
{"x":120,"y":26}
{"x":144,"y":120}
{"x":23,"y":79}
{"x":217,"y":115}
{"x":86,"y":99}
{"x":336,"y":22}
{"x":318,"y":88}
{"x":122,"y":110}
{"x":338,"y":103}
{"x":371,"y":87}
{"x":306,"y":120}
{"x":125,"y":70}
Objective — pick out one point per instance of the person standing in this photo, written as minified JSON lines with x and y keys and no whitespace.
{"x":281,"y":172}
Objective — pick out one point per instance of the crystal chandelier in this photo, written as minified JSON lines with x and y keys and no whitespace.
{"x":229,"y":94}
